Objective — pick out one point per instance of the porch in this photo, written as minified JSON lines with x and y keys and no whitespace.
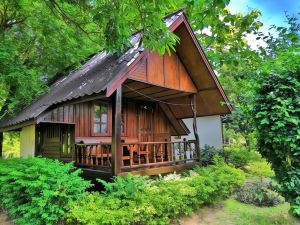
{"x":138,"y":157}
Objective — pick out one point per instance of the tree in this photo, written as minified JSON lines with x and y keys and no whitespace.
{"x":36,"y":44}
{"x":278,"y":120}
{"x":277,"y":110}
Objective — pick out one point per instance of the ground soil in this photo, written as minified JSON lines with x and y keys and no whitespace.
{"x":204,"y":216}
{"x":4,"y":220}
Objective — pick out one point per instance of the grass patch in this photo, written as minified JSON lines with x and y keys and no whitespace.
{"x":244,"y":214}
{"x":232,"y":212}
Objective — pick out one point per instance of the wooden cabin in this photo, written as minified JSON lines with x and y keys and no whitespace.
{"x":118,"y":114}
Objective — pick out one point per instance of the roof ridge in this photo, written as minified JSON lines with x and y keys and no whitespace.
{"x":173,"y":13}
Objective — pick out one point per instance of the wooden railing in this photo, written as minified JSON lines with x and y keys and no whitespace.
{"x":138,"y":154}
{"x":93,"y":154}
{"x":148,"y":154}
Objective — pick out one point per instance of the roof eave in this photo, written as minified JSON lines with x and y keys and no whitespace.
{"x":18,"y":126}
{"x":207,"y":63}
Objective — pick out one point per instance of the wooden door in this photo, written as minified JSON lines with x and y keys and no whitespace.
{"x":145,"y":123}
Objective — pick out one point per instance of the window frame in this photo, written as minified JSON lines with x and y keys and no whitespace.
{"x":108,"y":133}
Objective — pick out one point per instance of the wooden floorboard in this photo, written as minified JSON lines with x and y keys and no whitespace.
{"x":161,"y":170}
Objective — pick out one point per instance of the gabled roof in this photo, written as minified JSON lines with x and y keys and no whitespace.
{"x":100,"y":74}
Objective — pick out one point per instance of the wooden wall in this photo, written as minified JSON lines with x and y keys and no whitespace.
{"x":165,"y":71}
{"x":80,"y":114}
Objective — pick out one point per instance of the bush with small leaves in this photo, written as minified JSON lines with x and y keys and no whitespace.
{"x":125,"y":187}
{"x":208,"y":153}
{"x":36,"y":191}
{"x":240,"y":156}
{"x":138,"y":200}
{"x":258,"y":194}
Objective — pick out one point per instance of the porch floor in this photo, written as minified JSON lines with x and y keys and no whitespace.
{"x":106,"y":173}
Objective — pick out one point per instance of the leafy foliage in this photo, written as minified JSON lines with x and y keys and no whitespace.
{"x":260,"y":169}
{"x":258,"y":194}
{"x":278,"y":119}
{"x":36,"y":43}
{"x":11,"y":145}
{"x":208,"y":153}
{"x":240,"y":156}
{"x":118,"y":20}
{"x":36,"y":191}
{"x":155,"y":202}
{"x":125,"y":188}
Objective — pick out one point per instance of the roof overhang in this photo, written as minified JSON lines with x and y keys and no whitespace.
{"x":210,"y":97}
{"x":18,"y":126}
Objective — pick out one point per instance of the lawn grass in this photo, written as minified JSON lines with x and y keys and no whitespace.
{"x":232,"y":212}
{"x":244,"y":214}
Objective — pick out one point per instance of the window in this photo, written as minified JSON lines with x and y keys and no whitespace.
{"x":100,"y":125}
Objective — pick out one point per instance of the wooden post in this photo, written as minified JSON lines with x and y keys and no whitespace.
{"x":1,"y":145}
{"x":116,"y":147}
{"x":194,"y":109}
{"x":185,"y":148}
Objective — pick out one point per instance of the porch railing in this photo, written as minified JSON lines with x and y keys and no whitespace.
{"x":147,"y":154}
{"x":138,"y":154}
{"x":93,"y":154}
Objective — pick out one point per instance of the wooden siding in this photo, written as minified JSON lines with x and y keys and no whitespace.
{"x":81,"y":115}
{"x":164,"y":71}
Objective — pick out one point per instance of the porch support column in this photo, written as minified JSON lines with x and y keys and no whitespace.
{"x":116,"y":147}
{"x":1,"y":145}
{"x":195,"y":128}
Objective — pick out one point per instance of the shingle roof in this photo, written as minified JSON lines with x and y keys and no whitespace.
{"x":93,"y":77}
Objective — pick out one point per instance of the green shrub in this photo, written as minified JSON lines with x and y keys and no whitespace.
{"x":289,"y":187}
{"x":208,"y":153}
{"x":258,"y":194}
{"x":260,"y":169}
{"x":240,"y":156}
{"x":125,"y":187}
{"x":36,"y":191}
{"x":156,"y":202}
